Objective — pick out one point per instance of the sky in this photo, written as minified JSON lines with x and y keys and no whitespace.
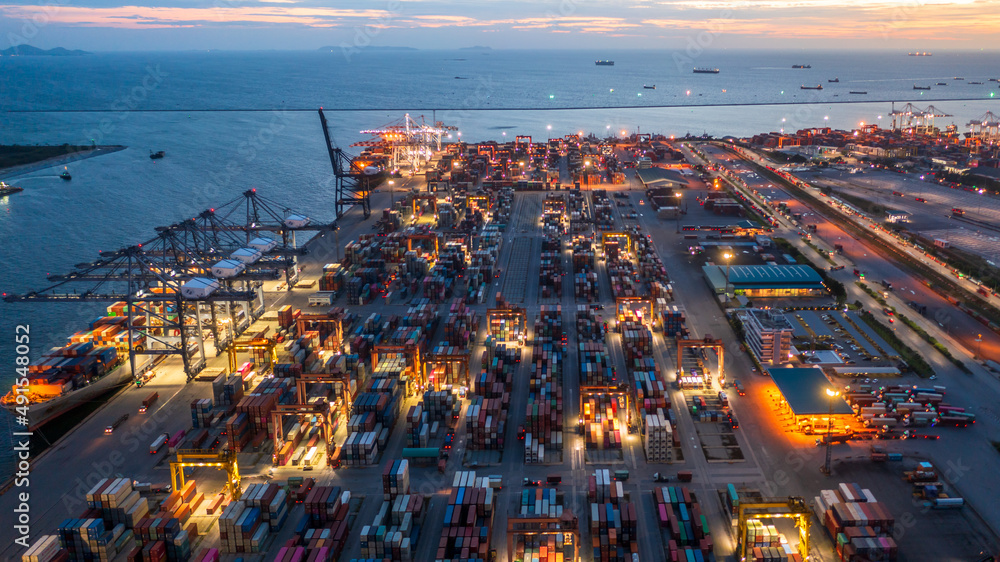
{"x":110,"y":25}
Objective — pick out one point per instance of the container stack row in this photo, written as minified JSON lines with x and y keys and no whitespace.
{"x":544,"y":416}
{"x":681,"y":519}
{"x":658,"y":438}
{"x":396,"y":479}
{"x":321,"y":533}
{"x":861,"y":527}
{"x":486,"y":420}
{"x":468,"y":519}
{"x":393,"y":533}
{"x":612,"y":521}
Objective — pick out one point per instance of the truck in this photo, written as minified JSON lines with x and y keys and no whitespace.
{"x":158,"y":443}
{"x":114,"y":425}
{"x":621,"y":475}
{"x":957,"y":212}
{"x":839,"y":248}
{"x":886,"y":284}
{"x":148,"y":402}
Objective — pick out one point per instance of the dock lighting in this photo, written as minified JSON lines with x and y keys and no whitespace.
{"x":831,"y":394}
{"x":552,"y":96}
{"x":549,"y":127}
{"x":826,"y":118}
{"x":688,"y":92}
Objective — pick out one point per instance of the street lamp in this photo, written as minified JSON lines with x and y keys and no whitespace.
{"x":729,"y":258}
{"x":831,"y":394}
{"x":392,"y":193}
{"x":677,"y":213}
{"x":979,"y":346}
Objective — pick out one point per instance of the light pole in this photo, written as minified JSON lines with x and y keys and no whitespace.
{"x":729,"y":259}
{"x":979,"y":346}
{"x":831,"y":394}
{"x":392,"y":193}
{"x":677,"y":213}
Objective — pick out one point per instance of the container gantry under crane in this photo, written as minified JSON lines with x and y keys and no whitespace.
{"x":408,"y":142}
{"x":354,"y":178}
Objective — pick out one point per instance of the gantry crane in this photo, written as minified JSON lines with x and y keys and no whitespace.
{"x":409,"y":351}
{"x":455,"y":359}
{"x":260,"y":348}
{"x":147,"y":283}
{"x":225,"y":460}
{"x":407,"y":142}
{"x":625,"y":235}
{"x":527,"y":526}
{"x":425,"y":236}
{"x":354,"y":178}
{"x":429,"y":197}
{"x":319,"y":409}
{"x":621,"y":303}
{"x":707,"y":341}
{"x":328,"y":324}
{"x":751,"y":507}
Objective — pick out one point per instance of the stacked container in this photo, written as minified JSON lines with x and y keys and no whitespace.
{"x":396,"y":479}
{"x":681,"y":518}
{"x":468,"y":519}
{"x":544,"y":416}
{"x":393,"y":533}
{"x":485,"y":422}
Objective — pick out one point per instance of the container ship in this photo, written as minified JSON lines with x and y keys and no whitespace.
{"x":706,"y":71}
{"x":604,"y":62}
{"x":8,"y":189}
{"x":94,"y":362}
{"x":801,"y":66}
{"x":817,"y":87}
{"x":921,"y":54}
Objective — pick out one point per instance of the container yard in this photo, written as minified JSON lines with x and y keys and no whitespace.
{"x":413,"y":393}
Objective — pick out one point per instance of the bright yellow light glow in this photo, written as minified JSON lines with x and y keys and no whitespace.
{"x":831,"y":393}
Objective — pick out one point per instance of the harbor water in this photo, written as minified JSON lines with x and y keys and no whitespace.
{"x":230,"y":121}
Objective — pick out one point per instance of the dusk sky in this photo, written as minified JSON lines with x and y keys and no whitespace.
{"x":105,"y":25}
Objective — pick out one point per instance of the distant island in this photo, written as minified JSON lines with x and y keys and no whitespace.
{"x":372,"y":48}
{"x":29,"y":51}
{"x":476,"y":48}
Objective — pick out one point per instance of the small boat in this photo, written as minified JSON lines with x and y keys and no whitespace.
{"x":604,"y":62}
{"x":915,"y":87}
{"x":706,"y":70}
{"x":653,"y":87}
{"x":816,"y":87}
{"x":8,"y":189}
{"x":156,"y":155}
{"x":858,"y":92}
{"x":994,"y":79}
{"x":834,"y":80}
{"x":801,"y":66}
{"x":973,"y":82}
{"x":942,"y":83}
{"x":958,"y":78}
{"x":65,"y":174}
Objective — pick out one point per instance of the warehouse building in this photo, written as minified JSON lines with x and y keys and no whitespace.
{"x":804,"y":396}
{"x":756,"y":281}
{"x":767,"y":334}
{"x":660,"y":177}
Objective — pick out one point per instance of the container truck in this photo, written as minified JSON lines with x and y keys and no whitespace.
{"x":158,"y":444}
{"x":114,"y":425}
{"x":148,"y":402}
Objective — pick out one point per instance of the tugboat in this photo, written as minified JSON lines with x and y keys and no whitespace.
{"x":8,"y":189}
{"x":65,"y":174}
{"x":156,"y":155}
{"x":834,"y":80}
{"x":816,"y":87}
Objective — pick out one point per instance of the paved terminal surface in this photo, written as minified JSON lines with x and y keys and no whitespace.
{"x":774,"y":459}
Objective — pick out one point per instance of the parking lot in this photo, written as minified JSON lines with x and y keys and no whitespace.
{"x":845,"y":338}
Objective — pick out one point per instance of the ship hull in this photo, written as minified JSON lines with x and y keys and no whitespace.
{"x":42,"y":413}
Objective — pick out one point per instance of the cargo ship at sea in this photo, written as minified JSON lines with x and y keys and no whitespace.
{"x":604,"y":62}
{"x":93,"y":363}
{"x":6,"y":189}
{"x":706,"y":70}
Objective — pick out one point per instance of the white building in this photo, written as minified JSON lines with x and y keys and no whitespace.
{"x":768,"y":335}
